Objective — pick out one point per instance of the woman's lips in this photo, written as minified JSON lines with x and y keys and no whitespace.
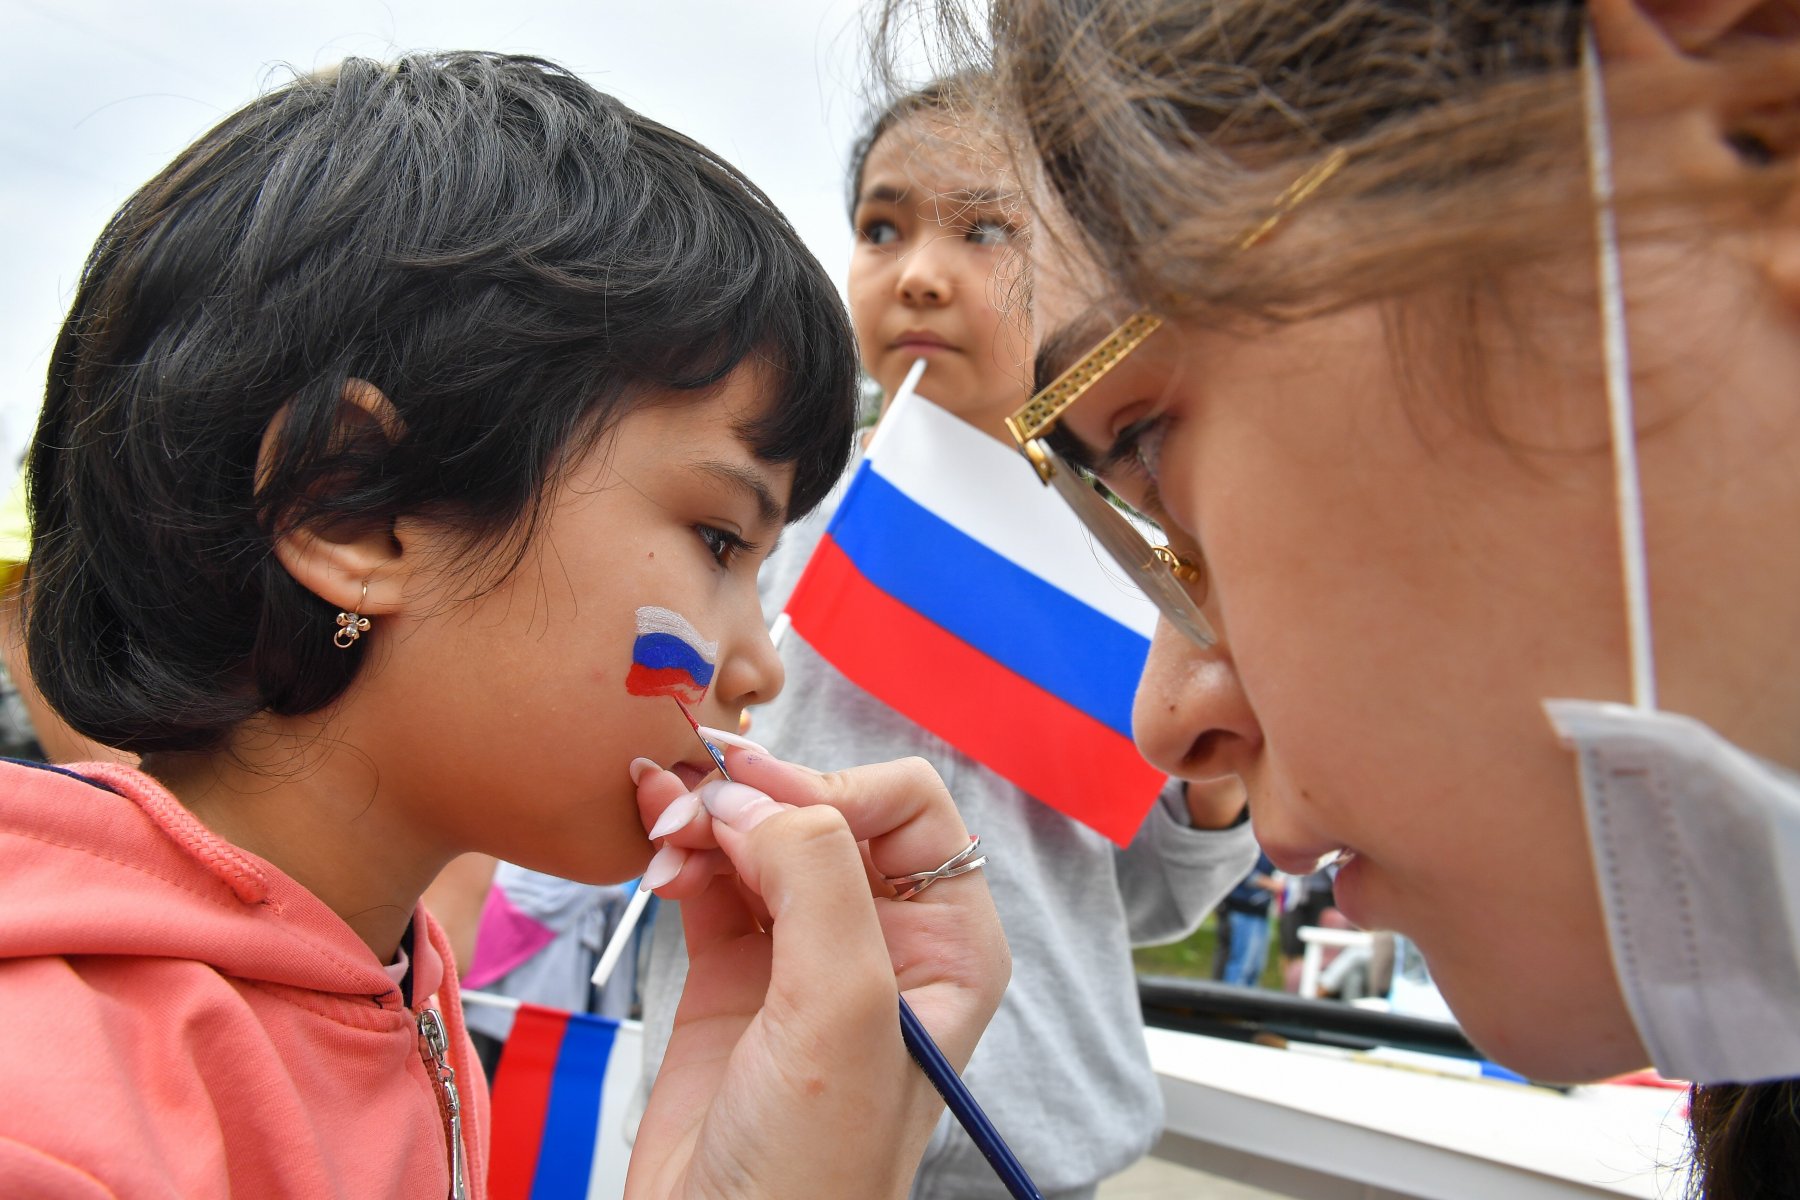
{"x":1292,"y":860}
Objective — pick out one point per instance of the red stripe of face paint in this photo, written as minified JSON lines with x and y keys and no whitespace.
{"x":663,"y":681}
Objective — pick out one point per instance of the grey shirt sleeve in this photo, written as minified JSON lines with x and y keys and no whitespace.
{"x":1172,"y":875}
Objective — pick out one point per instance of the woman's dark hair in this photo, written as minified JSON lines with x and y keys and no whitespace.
{"x":511,"y":257}
{"x":1746,"y":1140}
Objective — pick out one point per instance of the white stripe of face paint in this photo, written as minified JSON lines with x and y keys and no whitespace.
{"x":651,"y":619}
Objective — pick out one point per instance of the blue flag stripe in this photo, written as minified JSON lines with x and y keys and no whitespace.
{"x":1036,"y":630}
{"x":566,"y":1155}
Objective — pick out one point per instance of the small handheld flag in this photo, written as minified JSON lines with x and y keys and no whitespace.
{"x":954,"y":588}
{"x":559,"y":1112}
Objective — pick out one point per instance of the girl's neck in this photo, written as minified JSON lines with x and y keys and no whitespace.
{"x":312,"y":808}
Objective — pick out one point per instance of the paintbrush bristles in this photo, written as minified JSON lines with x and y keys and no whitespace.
{"x":717,"y":755}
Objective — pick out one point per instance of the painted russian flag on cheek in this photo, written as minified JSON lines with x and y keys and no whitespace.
{"x":957,"y":589}
{"x":669,"y":657}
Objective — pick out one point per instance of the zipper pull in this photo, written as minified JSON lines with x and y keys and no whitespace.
{"x":434,"y":1048}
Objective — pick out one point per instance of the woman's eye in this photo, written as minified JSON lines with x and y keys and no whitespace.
{"x":878,"y":233}
{"x":990,"y":233}
{"x":724,"y":545}
{"x":1138,"y":448}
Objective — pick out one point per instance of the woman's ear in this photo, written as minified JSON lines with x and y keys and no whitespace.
{"x":336,"y":560}
{"x":1701,"y":26}
{"x":1745,"y":58}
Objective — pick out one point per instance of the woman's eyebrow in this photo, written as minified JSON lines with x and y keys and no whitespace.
{"x":1059,"y":350}
{"x":770,"y":510}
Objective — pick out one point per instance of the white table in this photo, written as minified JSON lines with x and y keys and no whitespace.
{"x":1322,"y":1129}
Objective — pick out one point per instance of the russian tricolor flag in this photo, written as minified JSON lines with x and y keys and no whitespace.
{"x":959,"y":590}
{"x":558,"y":1113}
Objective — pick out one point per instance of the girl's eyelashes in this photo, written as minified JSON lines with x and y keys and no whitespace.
{"x":990,"y":232}
{"x":724,"y":545}
{"x":877,"y":232}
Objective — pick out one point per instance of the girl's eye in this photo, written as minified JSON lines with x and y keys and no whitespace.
{"x":724,"y":545}
{"x":989,"y":233}
{"x":878,"y":233}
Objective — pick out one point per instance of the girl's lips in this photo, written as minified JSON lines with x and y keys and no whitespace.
{"x":920,"y":342}
{"x":691,"y":775}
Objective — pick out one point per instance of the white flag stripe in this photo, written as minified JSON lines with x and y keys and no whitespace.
{"x":990,"y":493}
{"x":612,"y":1152}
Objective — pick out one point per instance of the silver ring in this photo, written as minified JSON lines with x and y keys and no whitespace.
{"x":908,"y":886}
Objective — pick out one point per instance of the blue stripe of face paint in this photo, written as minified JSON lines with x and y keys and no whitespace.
{"x":659,"y":651}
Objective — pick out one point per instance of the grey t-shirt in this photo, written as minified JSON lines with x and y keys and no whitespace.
{"x":1062,"y":1070}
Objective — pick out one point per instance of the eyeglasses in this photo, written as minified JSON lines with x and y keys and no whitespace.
{"x":1158,"y":571}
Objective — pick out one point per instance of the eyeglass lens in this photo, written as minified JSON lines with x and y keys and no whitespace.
{"x":1128,"y":547}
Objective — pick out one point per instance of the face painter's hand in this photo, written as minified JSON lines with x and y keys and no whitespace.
{"x":786,"y":1075}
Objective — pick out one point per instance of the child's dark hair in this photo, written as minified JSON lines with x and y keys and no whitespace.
{"x":949,"y":95}
{"x":511,"y":257}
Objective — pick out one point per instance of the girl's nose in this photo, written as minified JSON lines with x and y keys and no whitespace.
{"x":750,"y":672}
{"x":924,"y":282}
{"x":1192,"y":719}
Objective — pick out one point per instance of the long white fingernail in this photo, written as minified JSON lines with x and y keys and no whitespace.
{"x":676,"y":816}
{"x":665,"y":865}
{"x":641,"y":767}
{"x":738,"y":805}
{"x":732,"y":739}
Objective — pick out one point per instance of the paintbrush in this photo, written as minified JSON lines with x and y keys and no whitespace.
{"x":931,"y":1060}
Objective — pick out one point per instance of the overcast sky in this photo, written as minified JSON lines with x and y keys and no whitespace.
{"x":97,"y":95}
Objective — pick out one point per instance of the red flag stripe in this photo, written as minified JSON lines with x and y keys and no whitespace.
{"x":521,"y":1099}
{"x":1047,"y":747}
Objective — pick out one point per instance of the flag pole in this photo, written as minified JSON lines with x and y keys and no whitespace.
{"x":615,"y":945}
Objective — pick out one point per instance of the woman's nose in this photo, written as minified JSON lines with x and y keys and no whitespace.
{"x":1192,"y":719}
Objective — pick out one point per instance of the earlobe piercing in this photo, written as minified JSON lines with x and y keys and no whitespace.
{"x":1180,"y":566}
{"x":352,"y":624}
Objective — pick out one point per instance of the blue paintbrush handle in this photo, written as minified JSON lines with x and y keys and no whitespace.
{"x":937,"y":1068}
{"x":962,"y":1106}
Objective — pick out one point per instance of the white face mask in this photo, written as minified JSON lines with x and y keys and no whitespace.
{"x":1696,"y":844}
{"x":1697,"y":849}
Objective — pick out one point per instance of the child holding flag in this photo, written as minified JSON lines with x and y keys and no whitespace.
{"x":377,"y":416}
{"x":1062,"y":1071}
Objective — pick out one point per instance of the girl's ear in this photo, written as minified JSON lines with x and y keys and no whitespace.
{"x":334,"y":560}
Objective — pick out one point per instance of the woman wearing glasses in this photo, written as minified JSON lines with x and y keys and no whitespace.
{"x":1454,"y":349}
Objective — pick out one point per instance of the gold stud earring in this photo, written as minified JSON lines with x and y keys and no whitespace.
{"x":352,"y":624}
{"x":1180,"y":566}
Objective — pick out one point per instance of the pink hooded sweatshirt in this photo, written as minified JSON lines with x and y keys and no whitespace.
{"x":180,"y":1020}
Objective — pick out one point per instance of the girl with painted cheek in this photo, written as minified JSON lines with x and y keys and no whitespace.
{"x":380,"y":421}
{"x":936,"y":223}
{"x":1469,"y":390}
